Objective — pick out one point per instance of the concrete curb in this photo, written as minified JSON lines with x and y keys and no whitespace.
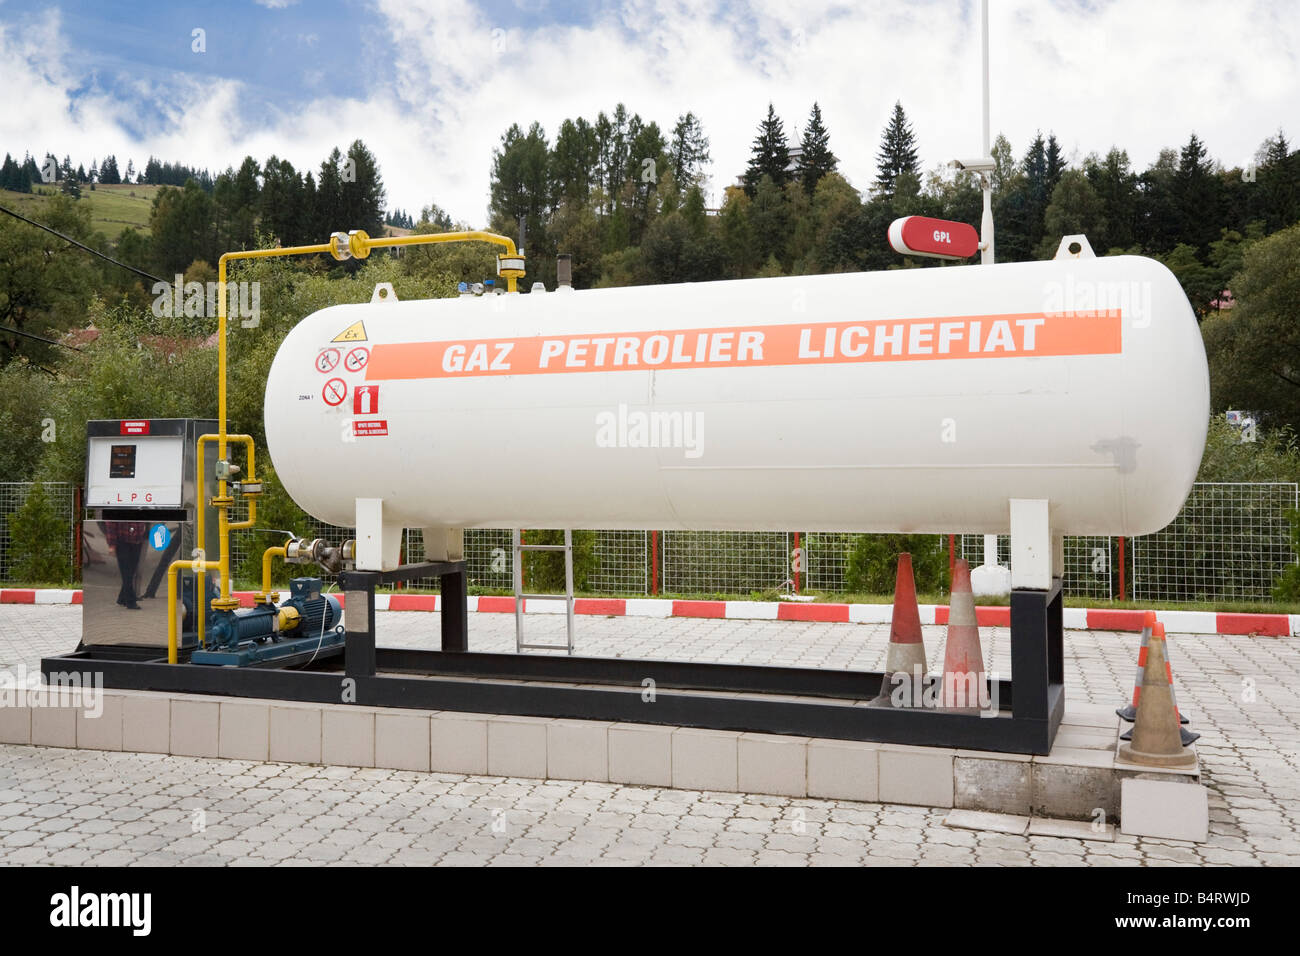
{"x":1076,"y":618}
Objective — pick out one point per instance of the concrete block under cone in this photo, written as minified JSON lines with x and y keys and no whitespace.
{"x":963,"y":661}
{"x":906,"y":650}
{"x":1156,"y":740}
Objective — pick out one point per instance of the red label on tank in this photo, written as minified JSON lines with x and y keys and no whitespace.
{"x":370,"y":426}
{"x":365,"y":400}
{"x":135,"y":428}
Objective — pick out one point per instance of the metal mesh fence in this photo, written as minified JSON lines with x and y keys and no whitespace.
{"x":707,"y":562}
{"x":622,"y":563}
{"x":826,"y":559}
{"x":1230,"y":542}
{"x":61,"y":498}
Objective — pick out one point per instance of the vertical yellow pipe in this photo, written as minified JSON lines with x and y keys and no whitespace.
{"x":223,"y":519}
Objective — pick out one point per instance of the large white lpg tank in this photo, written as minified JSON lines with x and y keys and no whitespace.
{"x":903,"y":401}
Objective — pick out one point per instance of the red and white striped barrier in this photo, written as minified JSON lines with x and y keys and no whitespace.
{"x":1076,"y":618}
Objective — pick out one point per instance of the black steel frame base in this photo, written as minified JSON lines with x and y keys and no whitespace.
{"x":781,"y":700}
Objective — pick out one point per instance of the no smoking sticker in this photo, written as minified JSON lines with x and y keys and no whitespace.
{"x":356,"y":359}
{"x":327,"y":361}
{"x":334,"y":392}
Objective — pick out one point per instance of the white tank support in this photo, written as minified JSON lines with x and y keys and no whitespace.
{"x":1031,"y":544}
{"x":444,"y":544}
{"x":990,"y":578}
{"x":379,"y":541}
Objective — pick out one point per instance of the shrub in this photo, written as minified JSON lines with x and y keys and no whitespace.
{"x":38,"y":537}
{"x":873,"y":563}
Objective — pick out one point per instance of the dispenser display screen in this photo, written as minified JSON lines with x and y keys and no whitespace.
{"x":121,"y":463}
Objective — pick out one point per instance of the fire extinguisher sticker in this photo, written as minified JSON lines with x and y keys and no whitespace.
{"x":365,"y":400}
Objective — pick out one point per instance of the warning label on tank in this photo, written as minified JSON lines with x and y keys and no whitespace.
{"x":356,"y":332}
{"x":370,"y":426}
{"x":882,"y":340}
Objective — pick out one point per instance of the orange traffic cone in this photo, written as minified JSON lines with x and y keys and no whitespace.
{"x":1129,"y":713}
{"x":1156,"y":741}
{"x":963,"y":662}
{"x":906,"y":658}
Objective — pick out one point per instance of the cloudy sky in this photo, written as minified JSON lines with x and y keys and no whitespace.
{"x":430,"y":85}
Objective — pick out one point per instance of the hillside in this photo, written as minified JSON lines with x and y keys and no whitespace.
{"x":111,"y":207}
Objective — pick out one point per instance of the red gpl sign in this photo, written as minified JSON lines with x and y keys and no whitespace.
{"x":937,"y":238}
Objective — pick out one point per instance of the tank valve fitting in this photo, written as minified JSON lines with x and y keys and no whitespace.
{"x":302,"y":550}
{"x":313,"y":551}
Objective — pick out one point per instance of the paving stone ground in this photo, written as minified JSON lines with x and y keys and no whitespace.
{"x":94,"y":808}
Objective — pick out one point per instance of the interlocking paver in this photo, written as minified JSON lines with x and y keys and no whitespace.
{"x":82,"y":807}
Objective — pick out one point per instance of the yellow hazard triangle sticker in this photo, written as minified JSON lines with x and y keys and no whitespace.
{"x":356,"y":332}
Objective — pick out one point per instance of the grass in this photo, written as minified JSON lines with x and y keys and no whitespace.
{"x":111,"y":207}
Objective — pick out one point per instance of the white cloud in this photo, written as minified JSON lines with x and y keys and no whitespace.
{"x":1142,"y":76}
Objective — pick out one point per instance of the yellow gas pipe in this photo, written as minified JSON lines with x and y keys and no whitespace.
{"x":510,"y":265}
{"x":267,"y":555}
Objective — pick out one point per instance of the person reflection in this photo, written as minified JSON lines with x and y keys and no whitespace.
{"x":125,"y":540}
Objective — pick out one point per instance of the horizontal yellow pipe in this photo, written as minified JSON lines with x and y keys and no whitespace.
{"x":470,"y":235}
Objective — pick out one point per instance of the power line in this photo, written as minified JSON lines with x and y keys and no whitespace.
{"x":79,"y":245}
{"x":39,"y":338}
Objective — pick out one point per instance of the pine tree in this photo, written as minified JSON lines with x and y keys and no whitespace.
{"x":815,"y":158}
{"x":770,"y":154}
{"x":108,"y":174}
{"x":1055,"y":162}
{"x":690,"y":149}
{"x":897,"y":153}
{"x":1038,"y":192}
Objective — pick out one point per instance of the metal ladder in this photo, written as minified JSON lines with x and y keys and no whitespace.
{"x":520,"y":596}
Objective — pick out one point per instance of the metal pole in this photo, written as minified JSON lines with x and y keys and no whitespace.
{"x":986,"y":179}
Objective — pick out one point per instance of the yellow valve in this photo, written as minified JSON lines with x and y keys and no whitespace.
{"x":358,"y":243}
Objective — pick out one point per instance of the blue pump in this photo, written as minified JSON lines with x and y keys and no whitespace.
{"x":304,"y":626}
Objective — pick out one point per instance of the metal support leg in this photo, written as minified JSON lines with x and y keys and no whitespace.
{"x":455,"y":612}
{"x":359,"y":615}
{"x":1037,"y":660}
